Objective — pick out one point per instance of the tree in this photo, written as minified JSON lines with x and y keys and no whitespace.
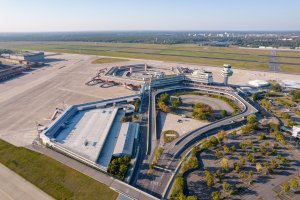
{"x":192,"y":198}
{"x":175,"y":103}
{"x":164,"y":97}
{"x":294,"y":183}
{"x":258,"y":167}
{"x":226,"y":149}
{"x":223,"y":113}
{"x":216,"y":195}
{"x":179,"y":184}
{"x":123,"y":170}
{"x":163,"y":106}
{"x":255,"y":97}
{"x":224,"y":163}
{"x":221,"y":135}
{"x":209,"y":178}
{"x":251,"y":119}
{"x":226,"y":186}
{"x":262,"y":136}
{"x":233,"y":148}
{"x":276,"y":87}
{"x":295,"y":95}
{"x":285,"y":187}
{"x":202,"y":111}
{"x":266,"y":104}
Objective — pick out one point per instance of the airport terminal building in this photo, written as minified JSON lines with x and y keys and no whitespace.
{"x":93,"y":132}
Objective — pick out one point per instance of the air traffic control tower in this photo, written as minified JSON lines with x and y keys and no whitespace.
{"x":226,"y":73}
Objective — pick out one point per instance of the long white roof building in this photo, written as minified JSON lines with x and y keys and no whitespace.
{"x":125,"y":142}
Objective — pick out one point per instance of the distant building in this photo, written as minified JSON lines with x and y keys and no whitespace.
{"x":28,"y":56}
{"x":291,"y":84}
{"x":258,"y":83}
{"x":202,"y":76}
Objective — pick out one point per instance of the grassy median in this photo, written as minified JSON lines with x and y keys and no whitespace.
{"x":56,"y":179}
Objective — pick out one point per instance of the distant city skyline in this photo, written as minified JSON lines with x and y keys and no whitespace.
{"x":142,"y":15}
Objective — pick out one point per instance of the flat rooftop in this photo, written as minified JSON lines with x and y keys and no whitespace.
{"x":86,"y":132}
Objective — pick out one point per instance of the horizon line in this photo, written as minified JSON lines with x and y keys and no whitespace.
{"x":87,"y":31}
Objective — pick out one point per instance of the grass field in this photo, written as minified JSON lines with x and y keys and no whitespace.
{"x":290,"y":68}
{"x":56,"y":179}
{"x":108,"y":60}
{"x":183,"y":53}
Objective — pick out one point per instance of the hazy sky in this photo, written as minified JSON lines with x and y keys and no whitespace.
{"x":98,"y":15}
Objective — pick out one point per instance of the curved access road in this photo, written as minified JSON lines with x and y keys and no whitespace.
{"x":169,"y":163}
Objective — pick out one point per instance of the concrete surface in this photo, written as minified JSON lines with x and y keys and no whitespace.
{"x":33,"y":97}
{"x":169,"y":122}
{"x":14,"y":187}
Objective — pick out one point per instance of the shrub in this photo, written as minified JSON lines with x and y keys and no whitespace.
{"x":294,"y":183}
{"x":223,"y":113}
{"x":226,"y":149}
{"x":262,"y":136}
{"x":224,"y":163}
{"x":170,"y":135}
{"x":209,"y":178}
{"x":178,"y":187}
{"x":216,"y":195}
{"x":175,"y":103}
{"x":258,"y":167}
{"x":119,"y":166}
{"x":285,"y":187}
{"x":226,"y":186}
{"x":233,"y":148}
{"x":251,"y":119}
{"x":202,"y":111}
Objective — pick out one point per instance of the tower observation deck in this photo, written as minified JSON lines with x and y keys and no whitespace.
{"x":226,"y":73}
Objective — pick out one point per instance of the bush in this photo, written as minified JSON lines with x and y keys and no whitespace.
{"x":225,"y":163}
{"x":202,"y":111}
{"x":276,"y":87}
{"x":226,"y":186}
{"x":251,"y":119}
{"x":262,"y":136}
{"x":178,"y":186}
{"x":216,"y":195}
{"x":163,"y":107}
{"x":295,"y":95}
{"x":170,"y":138}
{"x":294,"y":183}
{"x":175,"y":103}
{"x":279,"y":137}
{"x":164,"y":98}
{"x":136,"y":104}
{"x":223,"y":113}
{"x":119,"y":166}
{"x":226,"y":149}
{"x":209,"y":178}
{"x":285,"y":187}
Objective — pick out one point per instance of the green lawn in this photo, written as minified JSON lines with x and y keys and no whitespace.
{"x":290,"y":68}
{"x":56,"y":179}
{"x":108,"y":60}
{"x":216,"y":56}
